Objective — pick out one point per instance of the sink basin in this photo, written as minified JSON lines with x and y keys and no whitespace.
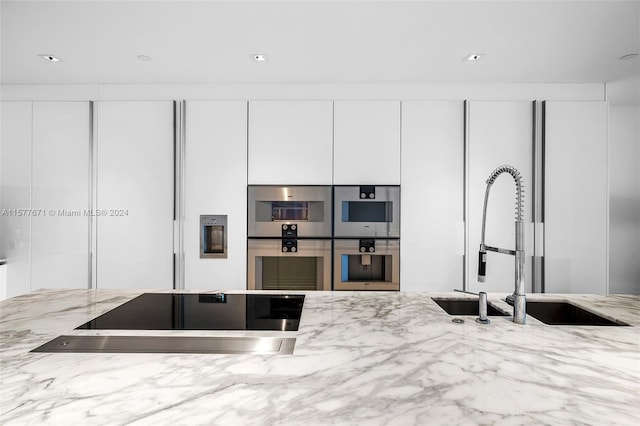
{"x":565,"y":313}
{"x":466,"y":307}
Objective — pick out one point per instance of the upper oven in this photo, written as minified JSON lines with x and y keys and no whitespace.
{"x":367,"y":211}
{"x":289,"y":211}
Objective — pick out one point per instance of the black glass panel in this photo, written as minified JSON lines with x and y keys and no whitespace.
{"x":367,"y":211}
{"x":175,"y":311}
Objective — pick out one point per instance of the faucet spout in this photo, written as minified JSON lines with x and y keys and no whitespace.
{"x":519,"y":305}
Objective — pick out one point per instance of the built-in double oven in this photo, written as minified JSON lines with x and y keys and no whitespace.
{"x":366,"y":250}
{"x":323,"y":237}
{"x":289,"y":238}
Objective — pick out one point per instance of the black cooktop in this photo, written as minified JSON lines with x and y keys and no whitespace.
{"x":192,"y":311}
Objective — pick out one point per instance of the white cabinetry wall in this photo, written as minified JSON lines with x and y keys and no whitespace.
{"x":45,"y":175}
{"x":499,"y":133}
{"x":15,"y":169}
{"x":290,"y":142}
{"x":216,"y":183}
{"x":366,"y":143}
{"x":576,"y":203}
{"x":60,"y":186}
{"x":135,"y":190}
{"x":432,"y":243}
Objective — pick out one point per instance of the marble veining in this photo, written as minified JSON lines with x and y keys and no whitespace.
{"x":361,"y":358}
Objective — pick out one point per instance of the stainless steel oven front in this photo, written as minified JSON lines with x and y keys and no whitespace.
{"x":367,"y":211}
{"x":366,"y":264}
{"x":288,"y":264}
{"x":289,"y":211}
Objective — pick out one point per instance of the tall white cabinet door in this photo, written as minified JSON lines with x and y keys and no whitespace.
{"x":498,"y":133}
{"x":432,"y":243}
{"x":366,"y":143}
{"x":60,"y":187}
{"x":290,"y":142}
{"x":135,"y":190}
{"x":15,"y":194}
{"x":216,"y":183}
{"x":576,"y":197}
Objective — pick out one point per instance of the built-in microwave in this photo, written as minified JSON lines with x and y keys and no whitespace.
{"x":289,"y":211}
{"x":366,"y":211}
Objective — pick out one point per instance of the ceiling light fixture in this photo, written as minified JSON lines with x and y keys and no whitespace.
{"x":144,"y":58}
{"x":628,"y":56}
{"x":473,"y":56}
{"x":50,"y":58}
{"x":259,"y":57}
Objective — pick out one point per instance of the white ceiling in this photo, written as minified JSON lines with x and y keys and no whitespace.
{"x":318,"y":41}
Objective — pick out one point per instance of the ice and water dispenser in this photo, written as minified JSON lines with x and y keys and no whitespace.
{"x":213,"y":236}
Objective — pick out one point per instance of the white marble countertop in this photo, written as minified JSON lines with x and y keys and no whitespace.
{"x":369,"y":358}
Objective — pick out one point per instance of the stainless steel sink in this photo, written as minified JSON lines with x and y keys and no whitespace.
{"x":565,"y":313}
{"x":466,"y":307}
{"x":170,"y":344}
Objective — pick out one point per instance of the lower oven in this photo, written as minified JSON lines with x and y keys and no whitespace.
{"x":288,"y":264}
{"x":366,"y":264}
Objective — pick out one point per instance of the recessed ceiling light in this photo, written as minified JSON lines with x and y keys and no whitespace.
{"x":50,"y":58}
{"x":473,"y":56}
{"x":144,"y":58}
{"x":628,"y":56}
{"x":259,"y":57}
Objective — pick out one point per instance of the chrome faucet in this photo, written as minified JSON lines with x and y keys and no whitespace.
{"x":519,"y":297}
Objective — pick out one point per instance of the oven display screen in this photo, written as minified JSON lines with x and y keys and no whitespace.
{"x":367,"y":211}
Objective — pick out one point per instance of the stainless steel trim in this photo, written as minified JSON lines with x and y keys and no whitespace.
{"x":466,"y":183}
{"x":90,"y":199}
{"x":179,"y":191}
{"x":537,"y":197}
{"x":93,"y":234}
{"x":170,"y":344}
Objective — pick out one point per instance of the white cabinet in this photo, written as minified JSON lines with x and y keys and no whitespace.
{"x":366,"y":143}
{"x":45,"y":195}
{"x":576,"y":197}
{"x":432,"y":244}
{"x":216,"y":183}
{"x":290,"y":142}
{"x":15,"y":178}
{"x":498,"y":133}
{"x":60,"y":188}
{"x":134,"y":195}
